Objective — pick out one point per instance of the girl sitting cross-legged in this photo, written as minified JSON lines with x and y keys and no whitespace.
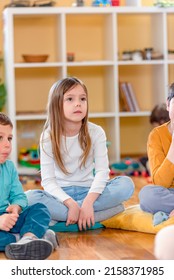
{"x":71,"y":148}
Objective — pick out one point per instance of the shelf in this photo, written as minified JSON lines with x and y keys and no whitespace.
{"x":23,"y":117}
{"x":142,"y":62}
{"x":134,"y":114}
{"x":27,"y":170}
{"x":97,"y":36}
{"x":37,"y":65}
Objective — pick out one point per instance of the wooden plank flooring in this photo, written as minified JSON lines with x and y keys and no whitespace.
{"x":106,"y":244}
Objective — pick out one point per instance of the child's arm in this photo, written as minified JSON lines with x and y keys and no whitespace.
{"x":161,"y":166}
{"x":100,"y":152}
{"x":14,"y":209}
{"x":73,"y":211}
{"x":86,"y":217}
{"x":17,"y":196}
{"x":101,"y":161}
{"x":48,"y":170}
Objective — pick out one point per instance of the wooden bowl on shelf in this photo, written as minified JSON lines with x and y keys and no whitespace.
{"x":35,"y":57}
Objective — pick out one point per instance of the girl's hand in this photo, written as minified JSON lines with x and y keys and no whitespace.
{"x":73,"y":212}
{"x":86,"y":217}
{"x":14,"y":209}
{"x":7,"y":221}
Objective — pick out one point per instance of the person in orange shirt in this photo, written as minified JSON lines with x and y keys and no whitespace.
{"x":158,"y":116}
{"x":160,"y":149}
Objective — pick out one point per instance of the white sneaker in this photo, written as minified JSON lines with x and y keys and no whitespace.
{"x":29,"y":248}
{"x":51,"y":236}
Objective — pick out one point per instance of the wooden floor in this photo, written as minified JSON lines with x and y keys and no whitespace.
{"x":106,"y":244}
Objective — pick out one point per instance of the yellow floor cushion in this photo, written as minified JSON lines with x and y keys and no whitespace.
{"x":133,"y":218}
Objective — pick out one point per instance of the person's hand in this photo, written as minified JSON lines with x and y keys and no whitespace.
{"x":73,"y":211}
{"x":7,"y":221}
{"x":14,"y":209}
{"x":86,"y":217}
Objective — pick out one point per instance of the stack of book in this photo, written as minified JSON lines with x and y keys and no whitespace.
{"x":128,"y":100}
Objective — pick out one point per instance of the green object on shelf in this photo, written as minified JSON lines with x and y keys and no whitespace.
{"x":29,"y":157}
{"x":28,"y":164}
{"x":2,"y":96}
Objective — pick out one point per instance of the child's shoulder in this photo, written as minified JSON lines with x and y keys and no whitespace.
{"x":8,"y":168}
{"x":93,"y":126}
{"x":95,"y":129}
{"x":45,"y":135}
{"x":161,"y":128}
{"x":9,"y":164}
{"x":160,"y":131}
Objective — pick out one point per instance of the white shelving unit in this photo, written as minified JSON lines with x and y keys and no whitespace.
{"x":97,"y":36}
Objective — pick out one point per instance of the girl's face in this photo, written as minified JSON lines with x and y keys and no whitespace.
{"x":170,"y":108}
{"x":5,"y":142}
{"x":75,"y":104}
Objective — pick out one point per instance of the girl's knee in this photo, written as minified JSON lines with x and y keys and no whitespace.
{"x":128,"y":185}
{"x":34,"y":196}
{"x":123,"y":181}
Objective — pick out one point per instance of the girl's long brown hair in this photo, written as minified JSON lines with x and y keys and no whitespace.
{"x":55,"y":120}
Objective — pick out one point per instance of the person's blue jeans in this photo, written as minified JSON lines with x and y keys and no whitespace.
{"x":155,"y":198}
{"x":35,"y":219}
{"x":116,"y":191}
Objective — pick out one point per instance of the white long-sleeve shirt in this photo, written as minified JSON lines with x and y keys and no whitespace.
{"x":54,"y":180}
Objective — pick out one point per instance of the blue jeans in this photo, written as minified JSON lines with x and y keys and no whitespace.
{"x":156,"y":198}
{"x":116,"y":191}
{"x":33,"y":219}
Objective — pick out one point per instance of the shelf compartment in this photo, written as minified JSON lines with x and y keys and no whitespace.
{"x":148,"y":82}
{"x":28,"y":133}
{"x":138,"y":129}
{"x":41,"y":34}
{"x":150,"y":25}
{"x":98,"y":31}
{"x":170,"y":37}
{"x":32,"y":88}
